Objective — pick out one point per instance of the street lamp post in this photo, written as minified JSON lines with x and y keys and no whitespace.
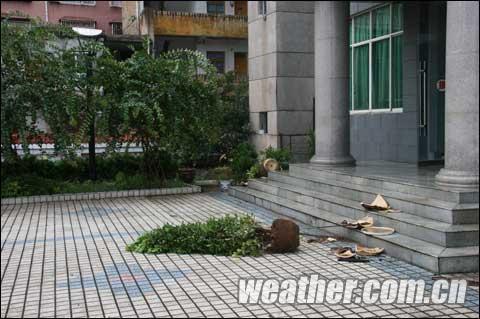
{"x":93,"y":34}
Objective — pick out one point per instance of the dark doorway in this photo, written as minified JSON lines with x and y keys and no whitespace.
{"x":431,"y":74}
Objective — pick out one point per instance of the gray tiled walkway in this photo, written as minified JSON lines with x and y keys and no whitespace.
{"x":68,"y":259}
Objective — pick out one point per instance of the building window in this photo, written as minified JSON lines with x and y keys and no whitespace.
{"x":217,"y":58}
{"x":116,"y":28}
{"x":23,"y":21}
{"x":216,"y":7}
{"x":78,"y":23}
{"x":263,"y":122}
{"x":116,"y":4}
{"x":262,"y":7}
{"x":81,"y":3}
{"x":376,"y":59}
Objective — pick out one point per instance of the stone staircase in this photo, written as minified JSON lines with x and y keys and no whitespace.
{"x":436,"y":229}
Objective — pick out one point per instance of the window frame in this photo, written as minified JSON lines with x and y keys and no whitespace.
{"x":71,"y":23}
{"x":112,"y":4}
{"x":263,"y":122}
{"x":370,"y":42}
{"x":79,"y":3}
{"x":115,"y":24}
{"x":215,"y":60}
{"x":216,"y":4}
{"x":262,"y":8}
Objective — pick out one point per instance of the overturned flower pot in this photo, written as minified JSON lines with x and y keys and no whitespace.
{"x":282,"y":237}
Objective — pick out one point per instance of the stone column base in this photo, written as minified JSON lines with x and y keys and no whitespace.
{"x":339,"y":161}
{"x":457,"y":179}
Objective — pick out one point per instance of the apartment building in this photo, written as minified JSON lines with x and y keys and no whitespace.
{"x":216,"y":28}
{"x":104,"y":15}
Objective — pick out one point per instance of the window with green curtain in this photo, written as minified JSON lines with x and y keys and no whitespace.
{"x":360,"y":81}
{"x":397,"y":72}
{"x":361,"y":28}
{"x":350,"y":66}
{"x":380,"y":74}
{"x":375,"y":63}
{"x":397,"y":17}
{"x":381,"y":21}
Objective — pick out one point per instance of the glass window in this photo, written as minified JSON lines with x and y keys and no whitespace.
{"x":262,"y":7}
{"x":381,"y":21}
{"x":397,"y":72}
{"x":79,"y":23}
{"x":360,"y":82}
{"x":85,"y":3}
{"x":361,"y":27}
{"x":380,"y":74}
{"x":116,"y":28}
{"x":397,"y":17}
{"x":217,"y":58}
{"x":376,"y":55}
{"x":216,"y":7}
{"x":264,"y":122}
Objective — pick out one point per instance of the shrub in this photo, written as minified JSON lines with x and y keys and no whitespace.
{"x":234,"y":113}
{"x":222,"y":173}
{"x":243,"y":158}
{"x":311,"y":143}
{"x":281,"y":155}
{"x":225,"y":236}
{"x":256,"y":171}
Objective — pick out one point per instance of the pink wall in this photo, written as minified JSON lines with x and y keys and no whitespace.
{"x":102,"y":13}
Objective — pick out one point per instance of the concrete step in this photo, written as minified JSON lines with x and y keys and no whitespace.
{"x":430,"y":256}
{"x":382,"y":184}
{"x":444,"y":211}
{"x":436,"y":232}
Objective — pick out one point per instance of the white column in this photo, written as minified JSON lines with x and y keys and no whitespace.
{"x":461,"y":97}
{"x":332,"y":119}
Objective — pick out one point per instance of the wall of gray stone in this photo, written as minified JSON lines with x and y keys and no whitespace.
{"x":281,"y":74}
{"x":393,"y":136}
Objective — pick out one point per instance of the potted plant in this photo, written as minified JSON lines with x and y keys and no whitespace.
{"x":224,"y":176}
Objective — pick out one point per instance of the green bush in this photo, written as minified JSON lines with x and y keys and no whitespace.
{"x":281,"y":155}
{"x":243,"y":158}
{"x":30,"y":176}
{"x":225,"y":236}
{"x":311,"y":143}
{"x":34,"y":185}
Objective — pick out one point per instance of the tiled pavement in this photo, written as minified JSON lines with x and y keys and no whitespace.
{"x":68,"y":259}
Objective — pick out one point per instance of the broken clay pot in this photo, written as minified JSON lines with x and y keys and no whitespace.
{"x":284,"y":236}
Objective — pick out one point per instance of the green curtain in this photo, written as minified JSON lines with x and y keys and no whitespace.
{"x":380,"y":74}
{"x":350,"y":66}
{"x":397,"y":72}
{"x":361,"y":28}
{"x":360,"y":73}
{"x":381,"y":21}
{"x":397,"y":17}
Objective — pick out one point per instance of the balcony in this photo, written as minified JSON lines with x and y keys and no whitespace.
{"x":168,"y":23}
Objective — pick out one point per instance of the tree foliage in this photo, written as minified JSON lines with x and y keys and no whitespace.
{"x":175,"y":105}
{"x":24,"y":55}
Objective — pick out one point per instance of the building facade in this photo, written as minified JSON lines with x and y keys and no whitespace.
{"x":104,"y":15}
{"x":218,"y":29}
{"x":395,"y":65}
{"x":391,"y":91}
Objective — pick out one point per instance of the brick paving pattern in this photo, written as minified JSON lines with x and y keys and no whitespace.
{"x":68,"y":259}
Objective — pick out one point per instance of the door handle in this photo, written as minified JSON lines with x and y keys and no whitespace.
{"x":423,"y":94}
